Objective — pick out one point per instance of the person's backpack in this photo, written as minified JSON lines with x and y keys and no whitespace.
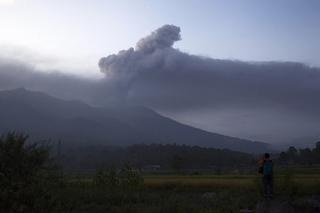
{"x":260,"y":168}
{"x":267,"y":167}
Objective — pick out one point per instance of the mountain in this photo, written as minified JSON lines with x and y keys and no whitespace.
{"x":74,"y":122}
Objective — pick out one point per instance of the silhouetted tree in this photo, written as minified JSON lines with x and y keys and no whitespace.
{"x":306,"y":156}
{"x":318,"y":145}
{"x":292,"y":154}
{"x":316,"y":152}
{"x":176,"y":163}
{"x":25,"y":175}
{"x":283,"y":158}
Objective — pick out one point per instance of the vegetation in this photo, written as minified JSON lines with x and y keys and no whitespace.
{"x":30,"y":182}
{"x":169,"y":158}
{"x":27,"y":177}
{"x":182,"y":193}
{"x":305,"y":156}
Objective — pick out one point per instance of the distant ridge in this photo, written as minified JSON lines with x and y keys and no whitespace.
{"x":74,"y":122}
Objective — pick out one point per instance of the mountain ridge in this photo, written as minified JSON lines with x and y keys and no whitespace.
{"x":72,"y":121}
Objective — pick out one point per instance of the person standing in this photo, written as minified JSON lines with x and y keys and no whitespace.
{"x":266,"y":169}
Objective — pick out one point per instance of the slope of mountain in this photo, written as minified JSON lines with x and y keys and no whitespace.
{"x":43,"y":116}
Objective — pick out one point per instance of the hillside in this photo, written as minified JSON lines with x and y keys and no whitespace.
{"x":74,"y":122}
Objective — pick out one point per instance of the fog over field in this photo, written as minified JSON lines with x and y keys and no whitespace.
{"x":268,"y":101}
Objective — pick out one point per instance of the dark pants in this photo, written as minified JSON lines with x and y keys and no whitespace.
{"x":267,"y":181}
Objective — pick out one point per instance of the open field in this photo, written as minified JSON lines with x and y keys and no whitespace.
{"x":189,"y":193}
{"x":228,"y":181}
{"x":29,"y":183}
{"x":304,"y":179}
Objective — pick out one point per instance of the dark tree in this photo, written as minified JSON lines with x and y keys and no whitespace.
{"x":283,"y":158}
{"x":306,"y":156}
{"x":177,"y":163}
{"x":316,"y":152}
{"x":26,"y":176}
{"x":318,"y":146}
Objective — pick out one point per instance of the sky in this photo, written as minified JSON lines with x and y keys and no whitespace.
{"x":217,"y":65}
{"x":73,"y":35}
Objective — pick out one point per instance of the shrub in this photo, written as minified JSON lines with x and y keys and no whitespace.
{"x":26,"y":175}
{"x":132,"y":180}
{"x":107,"y":178}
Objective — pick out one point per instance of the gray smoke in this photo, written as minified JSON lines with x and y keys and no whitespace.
{"x":270,"y":101}
{"x":163,"y":37}
{"x":168,"y":78}
{"x":157,"y":75}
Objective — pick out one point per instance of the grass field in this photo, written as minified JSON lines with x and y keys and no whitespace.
{"x":222,"y":181}
{"x":187,"y":193}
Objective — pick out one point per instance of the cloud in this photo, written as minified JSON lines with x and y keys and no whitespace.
{"x":48,"y":62}
{"x":157,"y":75}
{"x":19,"y":74}
{"x":163,"y":37}
{"x":270,"y":101}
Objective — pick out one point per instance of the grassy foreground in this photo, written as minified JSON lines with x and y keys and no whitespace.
{"x":304,"y":184}
{"x":182,"y":193}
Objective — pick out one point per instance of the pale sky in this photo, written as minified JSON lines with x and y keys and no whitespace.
{"x":72,"y":35}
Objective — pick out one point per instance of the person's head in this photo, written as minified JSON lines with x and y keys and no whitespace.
{"x":266,"y":155}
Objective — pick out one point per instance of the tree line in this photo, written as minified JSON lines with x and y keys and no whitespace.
{"x":306,"y":156}
{"x":162,"y":156}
